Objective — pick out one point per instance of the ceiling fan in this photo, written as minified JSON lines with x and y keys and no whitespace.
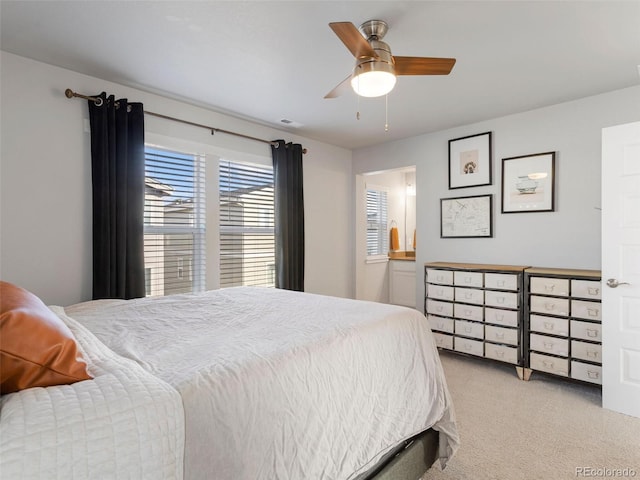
{"x":376,"y":69}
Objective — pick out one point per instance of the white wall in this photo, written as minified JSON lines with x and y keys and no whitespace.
{"x":45,"y":181}
{"x":568,"y":237}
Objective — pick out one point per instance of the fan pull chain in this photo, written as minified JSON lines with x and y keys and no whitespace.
{"x":358,"y":105}
{"x":386,"y":113}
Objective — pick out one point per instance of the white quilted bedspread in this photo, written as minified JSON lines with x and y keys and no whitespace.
{"x":284,"y":385}
{"x":123,"y":424}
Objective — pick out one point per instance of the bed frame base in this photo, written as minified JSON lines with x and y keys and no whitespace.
{"x":409,"y":461}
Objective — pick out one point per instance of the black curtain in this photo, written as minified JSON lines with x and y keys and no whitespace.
{"x":289,"y":215}
{"x":117,"y":172}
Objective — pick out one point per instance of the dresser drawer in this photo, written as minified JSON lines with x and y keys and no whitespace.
{"x":469,"y":312}
{"x":469,"y":329}
{"x":551,"y":325}
{"x":468,"y":279}
{"x":591,"y":352}
{"x":440,"y":292}
{"x":586,"y":331}
{"x":443,"y":341}
{"x":549,"y":305}
{"x":440,"y":324}
{"x":469,"y":295}
{"x":439,"y":308}
{"x":501,"y":281}
{"x":501,"y":352}
{"x":473,"y":347}
{"x":588,"y":310}
{"x":444,"y":277}
{"x":543,"y":343}
{"x":501,"y":335}
{"x":501,"y":299}
{"x":545,"y":363}
{"x":550,"y":286}
{"x":501,"y":317}
{"x":586,"y":289}
{"x":586,"y":372}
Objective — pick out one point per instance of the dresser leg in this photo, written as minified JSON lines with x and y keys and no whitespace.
{"x":523,"y":373}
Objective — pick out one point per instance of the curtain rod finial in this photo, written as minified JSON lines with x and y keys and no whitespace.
{"x":69,"y":93}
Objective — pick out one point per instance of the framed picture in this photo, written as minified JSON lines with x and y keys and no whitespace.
{"x":470,"y":161}
{"x":528,"y":183}
{"x":466,"y":217}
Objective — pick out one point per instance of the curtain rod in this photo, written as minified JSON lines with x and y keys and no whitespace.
{"x":98,"y":101}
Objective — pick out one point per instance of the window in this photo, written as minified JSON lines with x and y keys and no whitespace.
{"x":377,"y":236}
{"x":174,"y":222}
{"x":247,"y":242}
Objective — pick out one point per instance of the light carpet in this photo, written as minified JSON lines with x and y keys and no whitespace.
{"x":546,"y":428}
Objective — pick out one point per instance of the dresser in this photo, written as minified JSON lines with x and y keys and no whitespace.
{"x":563,"y":323}
{"x":477,"y":309}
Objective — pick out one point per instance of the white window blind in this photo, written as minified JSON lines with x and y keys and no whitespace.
{"x":174,"y":222}
{"x":377,"y":236}
{"x":247,"y":244}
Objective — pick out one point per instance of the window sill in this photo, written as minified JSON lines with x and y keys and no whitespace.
{"x":377,"y":259}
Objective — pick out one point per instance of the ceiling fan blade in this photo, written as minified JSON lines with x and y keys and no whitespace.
{"x":423,"y":65}
{"x":353,"y":39}
{"x":341,"y":88}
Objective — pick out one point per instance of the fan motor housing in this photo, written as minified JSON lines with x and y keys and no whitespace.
{"x":384,"y":62}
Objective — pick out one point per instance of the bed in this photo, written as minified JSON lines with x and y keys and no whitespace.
{"x":250,"y":383}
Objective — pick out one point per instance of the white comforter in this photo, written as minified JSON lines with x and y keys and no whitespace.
{"x":123,"y":424}
{"x":284,"y":385}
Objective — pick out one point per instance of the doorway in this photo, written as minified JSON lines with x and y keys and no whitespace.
{"x":372,"y":274}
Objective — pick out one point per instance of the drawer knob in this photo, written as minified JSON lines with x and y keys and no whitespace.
{"x":592,"y":374}
{"x":547,"y":364}
{"x":499,"y":335}
{"x":593,"y":291}
{"x":593,"y":312}
{"x":549,"y":288}
{"x":549,"y":306}
{"x":592,"y":353}
{"x":548,"y":326}
{"x":548,"y":345}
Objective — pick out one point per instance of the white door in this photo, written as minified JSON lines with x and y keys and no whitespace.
{"x":621,"y":268}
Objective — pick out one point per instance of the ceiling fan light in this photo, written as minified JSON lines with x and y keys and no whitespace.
{"x":373,"y":84}
{"x":373,"y":78}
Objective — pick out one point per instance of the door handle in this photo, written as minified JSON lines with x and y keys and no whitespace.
{"x":613,"y":283}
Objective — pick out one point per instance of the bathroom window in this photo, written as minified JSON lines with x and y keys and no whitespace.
{"x":377,"y":217}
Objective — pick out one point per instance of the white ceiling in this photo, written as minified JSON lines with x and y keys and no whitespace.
{"x":268,"y":61}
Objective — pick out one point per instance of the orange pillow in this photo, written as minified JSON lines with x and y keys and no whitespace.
{"x":37,"y":349}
